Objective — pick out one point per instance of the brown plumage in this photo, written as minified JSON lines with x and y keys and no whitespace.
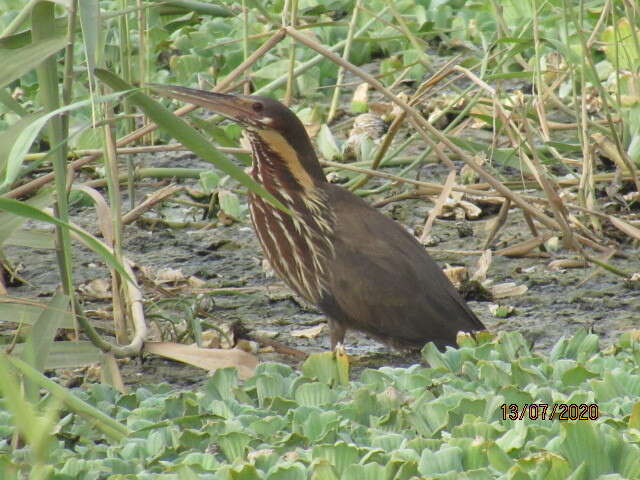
{"x":362,"y":269}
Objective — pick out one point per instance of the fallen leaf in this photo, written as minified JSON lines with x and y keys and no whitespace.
{"x":509,"y":289}
{"x":471,"y":210}
{"x":439,"y":204}
{"x":98,"y":288}
{"x":248,"y":346}
{"x":207,"y":358}
{"x":196,"y":282}
{"x":625,"y":227}
{"x":455,"y":274}
{"x":221,"y":337}
{"x":567,"y":263}
{"x":169,"y":275}
{"x":312,"y":332}
{"x":484,"y":262}
{"x":523,"y":248}
{"x":460,"y":209}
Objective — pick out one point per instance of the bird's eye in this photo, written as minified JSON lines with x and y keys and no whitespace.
{"x":257,"y":106}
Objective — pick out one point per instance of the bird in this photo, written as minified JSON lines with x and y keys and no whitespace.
{"x":363,"y":270}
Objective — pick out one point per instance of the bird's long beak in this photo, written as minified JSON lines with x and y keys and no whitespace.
{"x":235,"y":107}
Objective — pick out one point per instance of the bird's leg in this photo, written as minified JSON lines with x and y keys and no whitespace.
{"x":336,"y":333}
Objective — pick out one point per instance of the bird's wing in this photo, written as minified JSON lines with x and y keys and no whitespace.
{"x":384,"y":282}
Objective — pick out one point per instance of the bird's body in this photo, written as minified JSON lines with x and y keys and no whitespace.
{"x":361,"y":268}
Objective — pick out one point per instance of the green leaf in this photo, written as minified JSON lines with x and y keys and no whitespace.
{"x":498,"y":458}
{"x":634,"y":418}
{"x":322,"y":470}
{"x":27,"y":312}
{"x":575,"y":376}
{"x":27,"y":211}
{"x":222,"y":383}
{"x":230,"y":204}
{"x":167,"y":7}
{"x":234,"y":445}
{"x":29,"y":133}
{"x":8,"y":101}
{"x":89,"y":13}
{"x":370,"y":471}
{"x":155,"y":444}
{"x":327,"y":144}
{"x":294,"y":471}
{"x":206,"y":461}
{"x":11,"y":222}
{"x":316,"y":425}
{"x":9,"y":136}
{"x":209,"y":180}
{"x":435,"y":358}
{"x":340,"y":455}
{"x":327,"y":367}
{"x":185,"y":473}
{"x":513,"y":438}
{"x":583,"y":444}
{"x":447,"y":459}
{"x":16,"y":62}
{"x":269,"y":386}
{"x":109,"y":426}
{"x":620,"y":47}
{"x":33,"y":238}
{"x":314,"y":394}
{"x":40,"y":339}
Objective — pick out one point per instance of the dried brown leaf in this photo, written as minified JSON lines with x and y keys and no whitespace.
{"x":311,"y":332}
{"x":196,"y":282}
{"x":169,"y":275}
{"x":567,"y":263}
{"x":221,"y":337}
{"x":624,"y":227}
{"x":509,"y":289}
{"x":103,"y":212}
{"x":98,"y":288}
{"x":437,"y":208}
{"x":484,"y":262}
{"x":471,"y":210}
{"x":608,"y":149}
{"x":523,"y":248}
{"x":206,"y":358}
{"x":456,"y":275}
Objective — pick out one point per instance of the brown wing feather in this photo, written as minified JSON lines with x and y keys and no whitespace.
{"x":387,"y":285}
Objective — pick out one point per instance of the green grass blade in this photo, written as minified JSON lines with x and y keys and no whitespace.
{"x":188,"y":136}
{"x":24,"y":210}
{"x":110,"y":427}
{"x":42,"y":334}
{"x":19,"y":61}
{"x":28,"y":135}
{"x":68,"y":354}
{"x":11,"y":223}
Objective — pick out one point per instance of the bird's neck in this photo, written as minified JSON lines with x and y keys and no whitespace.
{"x":281,"y":168}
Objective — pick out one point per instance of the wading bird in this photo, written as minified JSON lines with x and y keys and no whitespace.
{"x":362,"y":269}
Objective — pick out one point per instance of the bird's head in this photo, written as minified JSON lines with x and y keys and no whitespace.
{"x":266,"y":119}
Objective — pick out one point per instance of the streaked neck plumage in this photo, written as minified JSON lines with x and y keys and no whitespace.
{"x":297,"y":183}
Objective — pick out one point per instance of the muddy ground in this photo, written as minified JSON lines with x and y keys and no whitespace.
{"x":555,"y":304}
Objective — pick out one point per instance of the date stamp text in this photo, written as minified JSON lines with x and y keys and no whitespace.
{"x":546,"y":411}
